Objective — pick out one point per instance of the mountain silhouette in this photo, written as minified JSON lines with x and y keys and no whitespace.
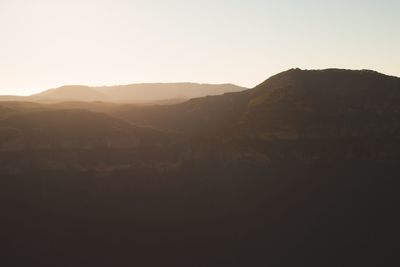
{"x":293,"y":104}
{"x":150,"y":92}
{"x":69,"y":93}
{"x":145,"y":93}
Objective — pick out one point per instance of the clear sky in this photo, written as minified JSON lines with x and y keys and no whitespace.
{"x":49,"y":43}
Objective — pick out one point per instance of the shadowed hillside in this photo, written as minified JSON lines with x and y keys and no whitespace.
{"x":295,"y":104}
{"x":48,"y":128}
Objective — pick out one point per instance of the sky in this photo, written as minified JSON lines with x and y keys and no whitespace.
{"x":49,"y":43}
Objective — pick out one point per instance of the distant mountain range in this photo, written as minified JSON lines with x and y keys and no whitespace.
{"x":160,"y":93}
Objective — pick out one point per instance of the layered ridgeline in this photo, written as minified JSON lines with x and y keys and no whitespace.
{"x":163,"y":93}
{"x":301,"y":170}
{"x":291,"y":105}
{"x":336,"y":113}
{"x":304,"y":115}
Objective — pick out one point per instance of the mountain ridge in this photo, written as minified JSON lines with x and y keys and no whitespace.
{"x":131,"y":93}
{"x":294,"y":98}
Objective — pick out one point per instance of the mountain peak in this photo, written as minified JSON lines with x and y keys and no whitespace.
{"x":71,"y":92}
{"x":332,"y":77}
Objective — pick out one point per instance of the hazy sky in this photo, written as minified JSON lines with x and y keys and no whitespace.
{"x":48,"y":43}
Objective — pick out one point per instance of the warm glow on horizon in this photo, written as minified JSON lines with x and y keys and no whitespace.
{"x":49,"y":43}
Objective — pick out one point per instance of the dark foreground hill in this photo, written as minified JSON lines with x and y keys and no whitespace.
{"x":301,"y":170}
{"x":42,"y":128}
